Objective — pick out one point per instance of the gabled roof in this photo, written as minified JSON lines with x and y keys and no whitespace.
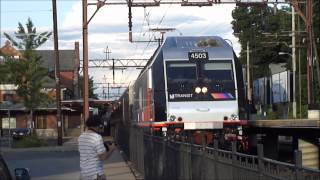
{"x":8,"y":50}
{"x":67,"y":59}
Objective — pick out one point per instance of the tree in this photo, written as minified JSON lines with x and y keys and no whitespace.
{"x":28,"y":38}
{"x":250,"y":24}
{"x":26,"y":73}
{"x":29,"y":76}
{"x":91,"y":88}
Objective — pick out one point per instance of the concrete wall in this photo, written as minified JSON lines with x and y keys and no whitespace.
{"x":46,"y":132}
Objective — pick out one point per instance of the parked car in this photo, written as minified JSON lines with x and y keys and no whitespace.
{"x":20,"y":133}
{"x":4,"y":171}
{"x":20,"y":173}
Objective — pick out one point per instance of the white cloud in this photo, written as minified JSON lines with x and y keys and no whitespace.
{"x":110,"y":28}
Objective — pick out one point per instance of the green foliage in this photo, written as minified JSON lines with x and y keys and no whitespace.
{"x":28,"y":38}
{"x":26,"y":73}
{"x":91,"y":88}
{"x":271,"y":114}
{"x":261,"y":27}
{"x":29,"y":76}
{"x":267,"y":32}
{"x":28,"y":142}
{"x":316,"y":19}
{"x":3,"y":77}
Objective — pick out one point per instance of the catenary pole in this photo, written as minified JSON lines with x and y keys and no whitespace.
{"x":294,"y":103}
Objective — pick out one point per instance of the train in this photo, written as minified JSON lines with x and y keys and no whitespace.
{"x":191,"y":85}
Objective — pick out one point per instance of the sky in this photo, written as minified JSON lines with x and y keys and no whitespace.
{"x":110,"y":28}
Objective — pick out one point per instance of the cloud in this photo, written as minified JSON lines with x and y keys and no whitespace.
{"x":109,"y":28}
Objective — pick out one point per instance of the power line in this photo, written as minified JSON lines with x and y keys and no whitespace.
{"x":153,"y":34}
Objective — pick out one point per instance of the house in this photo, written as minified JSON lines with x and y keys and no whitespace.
{"x":13,"y":114}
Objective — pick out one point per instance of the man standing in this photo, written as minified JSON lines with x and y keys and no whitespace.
{"x":92,"y":151}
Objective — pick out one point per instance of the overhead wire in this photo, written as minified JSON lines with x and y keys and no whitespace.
{"x":153,"y":34}
{"x":136,"y":46}
{"x":147,"y":20}
{"x":124,"y":78}
{"x":160,"y":22}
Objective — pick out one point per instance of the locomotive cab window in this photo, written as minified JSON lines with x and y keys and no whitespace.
{"x":217,"y":71}
{"x":180,"y":72}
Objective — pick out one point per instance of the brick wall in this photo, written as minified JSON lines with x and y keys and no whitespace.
{"x":67,"y":79}
{"x":51,"y":121}
{"x":21,"y":120}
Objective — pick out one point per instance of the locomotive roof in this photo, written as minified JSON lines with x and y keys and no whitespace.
{"x":178,"y":47}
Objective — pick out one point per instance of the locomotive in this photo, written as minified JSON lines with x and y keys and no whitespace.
{"x":190,"y":84}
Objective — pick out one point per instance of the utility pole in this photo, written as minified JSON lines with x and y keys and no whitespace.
{"x":85,"y":23}
{"x":309,"y":12}
{"x":9,"y":119}
{"x":248,"y":75}
{"x":248,"y":81}
{"x":85,"y":61}
{"x":312,"y":55}
{"x":130,"y":19}
{"x":103,"y":93}
{"x":294,"y":103}
{"x":107,"y":51}
{"x":108,"y":91}
{"x":113,"y":73}
{"x":57,"y":71}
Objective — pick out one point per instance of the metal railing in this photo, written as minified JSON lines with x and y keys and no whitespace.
{"x":160,"y":158}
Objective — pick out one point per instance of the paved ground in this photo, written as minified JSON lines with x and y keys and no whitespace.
{"x":61,"y":162}
{"x":45,"y":164}
{"x":117,"y":169}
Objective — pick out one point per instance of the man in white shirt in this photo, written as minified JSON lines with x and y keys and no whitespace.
{"x":92,"y":151}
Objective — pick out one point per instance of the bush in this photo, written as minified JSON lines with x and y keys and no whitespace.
{"x":272,"y":114}
{"x":28,"y":141}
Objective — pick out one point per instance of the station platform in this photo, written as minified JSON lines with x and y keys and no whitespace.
{"x":116,"y":168}
{"x":286,"y":123}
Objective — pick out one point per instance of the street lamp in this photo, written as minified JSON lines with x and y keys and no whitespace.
{"x":294,"y":104}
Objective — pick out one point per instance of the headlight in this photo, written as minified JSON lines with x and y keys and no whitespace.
{"x":172,"y":118}
{"x":198,"y":90}
{"x":204,"y":90}
{"x":234,"y":117}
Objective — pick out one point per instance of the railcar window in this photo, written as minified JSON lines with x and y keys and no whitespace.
{"x":218,"y":71}
{"x":182,"y":71}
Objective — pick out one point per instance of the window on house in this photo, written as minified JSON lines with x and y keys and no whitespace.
{"x":6,"y":124}
{"x":41,"y":122}
{"x":7,"y":97}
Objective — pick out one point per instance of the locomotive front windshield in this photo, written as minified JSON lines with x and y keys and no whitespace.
{"x":180,"y":72}
{"x":184,"y":77}
{"x":217,"y":72}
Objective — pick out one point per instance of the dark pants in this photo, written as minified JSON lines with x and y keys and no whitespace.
{"x":101,"y":177}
